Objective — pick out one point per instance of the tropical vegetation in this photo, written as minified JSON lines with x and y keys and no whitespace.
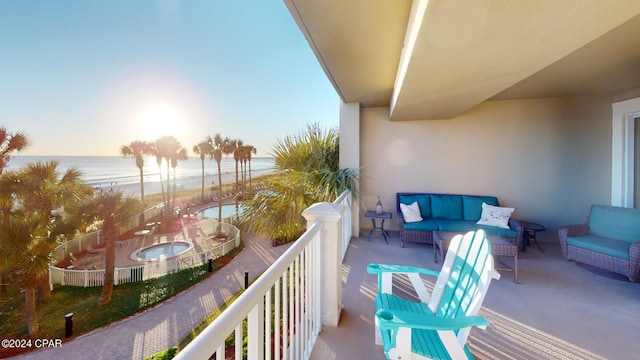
{"x":10,"y":143}
{"x":110,"y":209}
{"x":308,"y":171}
{"x":168,"y":148}
{"x":203,"y":149}
{"x":41,"y":207}
{"x":30,"y":229}
{"x":27,"y":241}
{"x":138,"y":150}
{"x":217,"y":147}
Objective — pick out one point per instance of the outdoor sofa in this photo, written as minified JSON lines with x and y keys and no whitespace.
{"x":450,"y":213}
{"x":609,"y":239}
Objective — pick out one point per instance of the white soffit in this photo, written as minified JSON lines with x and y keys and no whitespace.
{"x":357,"y":42}
{"x":464,"y":52}
{"x":468,"y":51}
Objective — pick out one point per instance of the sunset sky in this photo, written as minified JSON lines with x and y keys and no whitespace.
{"x":85,"y":77}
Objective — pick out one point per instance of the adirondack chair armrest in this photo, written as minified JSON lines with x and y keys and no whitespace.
{"x":378,"y":269}
{"x":385,"y":278}
{"x":394,"y":319}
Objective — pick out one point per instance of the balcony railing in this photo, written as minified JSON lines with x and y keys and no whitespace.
{"x":282,"y":312}
{"x":345,"y":200}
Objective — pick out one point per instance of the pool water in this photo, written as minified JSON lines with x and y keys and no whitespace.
{"x":212,"y":212}
{"x":161,"y":251}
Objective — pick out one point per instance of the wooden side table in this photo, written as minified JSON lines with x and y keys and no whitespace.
{"x":371,"y":214}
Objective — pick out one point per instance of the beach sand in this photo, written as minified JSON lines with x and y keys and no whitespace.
{"x":186,"y":183}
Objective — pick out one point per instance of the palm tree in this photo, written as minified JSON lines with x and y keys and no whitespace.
{"x":156,"y":153}
{"x":22,"y":240}
{"x":9,"y":143}
{"x":219,"y":146}
{"x":28,"y":240}
{"x":138,"y":149}
{"x":203,"y":149}
{"x":39,"y":188}
{"x":8,"y":182}
{"x":180,"y":155}
{"x":236,"y":147}
{"x":309,"y":173}
{"x":250,"y":149}
{"x":164,"y":147}
{"x":276,"y":212}
{"x":168,"y":148}
{"x":112,"y":209}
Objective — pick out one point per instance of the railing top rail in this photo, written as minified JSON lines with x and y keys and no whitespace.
{"x":342,"y":197}
{"x":228,"y":319}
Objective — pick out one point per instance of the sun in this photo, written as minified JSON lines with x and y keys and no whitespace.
{"x":158,"y":119}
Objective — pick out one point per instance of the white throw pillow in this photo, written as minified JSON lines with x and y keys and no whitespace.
{"x":495,"y":216}
{"x":411,"y":213}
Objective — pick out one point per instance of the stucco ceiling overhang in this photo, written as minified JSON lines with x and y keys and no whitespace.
{"x":466,"y":52}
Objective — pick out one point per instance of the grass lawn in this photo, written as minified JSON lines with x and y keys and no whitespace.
{"x":127,"y":300}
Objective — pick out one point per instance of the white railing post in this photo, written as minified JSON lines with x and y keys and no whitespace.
{"x":346,"y":199}
{"x":329,"y":216}
{"x":255,"y":332}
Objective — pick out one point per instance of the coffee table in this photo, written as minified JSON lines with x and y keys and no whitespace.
{"x":500,"y":246}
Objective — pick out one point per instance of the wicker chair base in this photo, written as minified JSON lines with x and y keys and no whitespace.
{"x":424,"y":237}
{"x":606,"y":262}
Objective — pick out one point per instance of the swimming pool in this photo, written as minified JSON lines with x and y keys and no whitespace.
{"x":161,"y":251}
{"x":228,"y":210}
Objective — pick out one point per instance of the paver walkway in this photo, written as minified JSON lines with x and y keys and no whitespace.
{"x":166,"y":324}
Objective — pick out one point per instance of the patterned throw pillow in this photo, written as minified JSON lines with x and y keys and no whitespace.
{"x":495,"y":216}
{"x":411,"y":213}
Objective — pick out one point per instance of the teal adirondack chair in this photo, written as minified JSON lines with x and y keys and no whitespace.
{"x":438,"y":326}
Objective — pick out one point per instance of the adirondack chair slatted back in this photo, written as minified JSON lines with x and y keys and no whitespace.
{"x":425,"y":329}
{"x":458,"y":294}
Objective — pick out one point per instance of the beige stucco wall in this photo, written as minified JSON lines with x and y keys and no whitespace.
{"x":548,"y":158}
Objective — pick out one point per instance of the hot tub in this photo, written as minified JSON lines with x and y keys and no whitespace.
{"x":161,"y":251}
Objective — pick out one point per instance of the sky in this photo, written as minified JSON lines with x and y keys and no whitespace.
{"x":84,"y":77}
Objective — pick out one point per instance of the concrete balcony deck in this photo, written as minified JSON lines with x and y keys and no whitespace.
{"x":558,"y":311}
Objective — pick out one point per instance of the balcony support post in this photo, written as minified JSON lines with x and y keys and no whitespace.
{"x":329,"y":215}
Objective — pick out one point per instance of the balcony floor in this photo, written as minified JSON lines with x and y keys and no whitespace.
{"x":558,"y":311}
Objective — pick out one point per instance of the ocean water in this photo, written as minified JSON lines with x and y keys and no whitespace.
{"x":105,"y":171}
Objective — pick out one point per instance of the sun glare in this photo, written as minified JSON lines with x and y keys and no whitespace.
{"x":160,"y":119}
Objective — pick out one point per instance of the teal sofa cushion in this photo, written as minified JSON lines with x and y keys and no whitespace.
{"x":463,"y":226}
{"x":602,"y":245}
{"x":615,"y":222}
{"x":446,"y":207}
{"x":460,"y":226}
{"x":424,"y":225}
{"x":424,"y":203}
{"x":495,"y":230}
{"x":472,"y":206}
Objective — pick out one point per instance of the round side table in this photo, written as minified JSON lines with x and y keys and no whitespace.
{"x":530,"y":230}
{"x":371,"y":214}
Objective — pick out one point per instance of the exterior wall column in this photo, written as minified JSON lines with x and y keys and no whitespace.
{"x":330,"y":247}
{"x":350,"y":151}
